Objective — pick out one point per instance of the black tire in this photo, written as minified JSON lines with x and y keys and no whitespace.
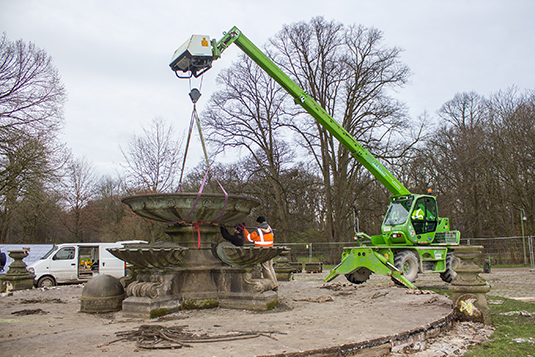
{"x":407,"y":262}
{"x":46,"y":282}
{"x":359,"y":276}
{"x":2,"y":260}
{"x":451,"y":263}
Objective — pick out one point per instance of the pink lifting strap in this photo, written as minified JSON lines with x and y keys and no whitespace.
{"x":195,"y":95}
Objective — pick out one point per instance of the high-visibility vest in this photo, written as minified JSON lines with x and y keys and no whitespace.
{"x":418,"y":214}
{"x":260,"y":237}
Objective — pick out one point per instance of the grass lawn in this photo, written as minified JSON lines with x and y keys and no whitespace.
{"x":514,"y":335}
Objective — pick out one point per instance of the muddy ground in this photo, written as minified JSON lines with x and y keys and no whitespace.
{"x":311,"y":315}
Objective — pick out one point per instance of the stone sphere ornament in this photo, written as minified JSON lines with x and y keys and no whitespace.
{"x":103,"y":293}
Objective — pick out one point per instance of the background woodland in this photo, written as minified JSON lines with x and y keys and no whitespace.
{"x":476,"y":153}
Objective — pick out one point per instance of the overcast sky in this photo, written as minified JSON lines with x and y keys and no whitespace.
{"x":113,"y":56}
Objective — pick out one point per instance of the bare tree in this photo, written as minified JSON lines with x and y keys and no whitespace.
{"x":31,"y":93}
{"x":248,"y":115}
{"x":37,"y":218}
{"x":79,"y":190}
{"x":480,"y":160}
{"x":512,"y":139}
{"x":31,"y":113}
{"x":153,"y":159}
{"x":464,"y":159}
{"x":350,"y":74}
{"x":113,"y":220}
{"x":28,"y":164}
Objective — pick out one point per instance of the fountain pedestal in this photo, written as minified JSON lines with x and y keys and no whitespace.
{"x":468,"y":288}
{"x":17,"y":277}
{"x":193,"y":269}
{"x":283,"y":267}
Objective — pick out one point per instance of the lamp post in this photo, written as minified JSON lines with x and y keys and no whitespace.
{"x":522,"y":219}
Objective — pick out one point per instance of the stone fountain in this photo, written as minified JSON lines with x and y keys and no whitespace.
{"x":191,"y":267}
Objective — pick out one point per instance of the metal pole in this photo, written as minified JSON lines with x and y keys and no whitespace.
{"x":310,"y":252}
{"x":531,"y":253}
{"x":522,"y":219}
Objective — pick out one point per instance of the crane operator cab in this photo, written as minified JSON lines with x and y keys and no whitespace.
{"x":424,"y":215}
{"x":411,"y":219}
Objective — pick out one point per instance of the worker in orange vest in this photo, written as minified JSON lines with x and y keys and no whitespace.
{"x":262,"y":236}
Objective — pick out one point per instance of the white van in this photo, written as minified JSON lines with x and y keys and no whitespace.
{"x":78,"y":262}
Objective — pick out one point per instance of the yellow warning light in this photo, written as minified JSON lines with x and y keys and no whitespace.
{"x":204,"y":42}
{"x":429,"y":190}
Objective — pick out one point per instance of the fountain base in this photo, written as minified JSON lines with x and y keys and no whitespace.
{"x":199,"y":281}
{"x":190,"y":267}
{"x":149,"y":308}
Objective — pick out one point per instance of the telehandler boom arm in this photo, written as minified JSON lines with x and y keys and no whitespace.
{"x":195,"y":61}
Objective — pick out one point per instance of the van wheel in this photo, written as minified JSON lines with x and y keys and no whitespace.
{"x":46,"y":282}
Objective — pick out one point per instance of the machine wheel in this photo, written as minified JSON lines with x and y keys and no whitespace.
{"x":451,"y":264}
{"x":407,"y":262}
{"x":359,"y":276}
{"x":46,"y":282}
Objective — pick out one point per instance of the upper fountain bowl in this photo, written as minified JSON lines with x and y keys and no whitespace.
{"x":181,"y":207}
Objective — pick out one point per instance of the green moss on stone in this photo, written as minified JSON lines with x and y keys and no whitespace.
{"x":273,"y":304}
{"x":199,"y":304}
{"x":158,"y":312}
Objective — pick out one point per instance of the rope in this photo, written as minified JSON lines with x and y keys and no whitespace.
{"x":198,"y":196}
{"x":192,"y":120}
{"x":195,"y":94}
{"x":196,"y":225}
{"x":186,"y":153}
{"x":209,"y":169}
{"x":199,"y":128}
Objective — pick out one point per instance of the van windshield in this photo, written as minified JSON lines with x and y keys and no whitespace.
{"x":49,"y":253}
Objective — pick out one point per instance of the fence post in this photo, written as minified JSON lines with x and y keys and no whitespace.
{"x":531,"y":253}
{"x":310,"y":252}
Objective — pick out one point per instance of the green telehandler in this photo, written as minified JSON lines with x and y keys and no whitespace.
{"x":413,"y":238}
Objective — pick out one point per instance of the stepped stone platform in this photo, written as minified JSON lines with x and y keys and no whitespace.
{"x":313,"y":319}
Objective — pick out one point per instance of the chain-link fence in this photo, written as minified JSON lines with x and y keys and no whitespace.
{"x":498,"y":251}
{"x":505,"y":250}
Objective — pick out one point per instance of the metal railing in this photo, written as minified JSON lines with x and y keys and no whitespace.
{"x":505,"y":250}
{"x":517,"y":251}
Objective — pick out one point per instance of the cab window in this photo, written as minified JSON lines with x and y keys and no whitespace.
{"x":398,"y":212}
{"x":424,"y":215}
{"x":66,"y":253}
